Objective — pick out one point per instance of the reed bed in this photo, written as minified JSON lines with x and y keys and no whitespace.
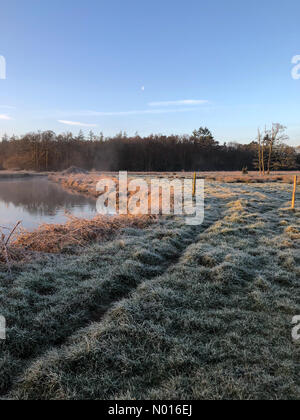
{"x":77,"y":232}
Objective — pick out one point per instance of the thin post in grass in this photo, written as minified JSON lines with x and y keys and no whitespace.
{"x":194,"y":185}
{"x":294,"y":192}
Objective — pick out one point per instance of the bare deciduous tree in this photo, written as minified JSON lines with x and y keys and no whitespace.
{"x":276,"y":136}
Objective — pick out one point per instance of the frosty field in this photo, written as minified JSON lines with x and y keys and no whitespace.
{"x":163,"y":310}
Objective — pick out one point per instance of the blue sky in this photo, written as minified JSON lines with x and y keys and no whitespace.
{"x":150,"y":66}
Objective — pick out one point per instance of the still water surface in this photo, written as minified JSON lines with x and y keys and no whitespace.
{"x":37,"y":200}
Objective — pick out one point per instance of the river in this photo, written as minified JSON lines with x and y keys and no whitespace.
{"x":37,"y":200}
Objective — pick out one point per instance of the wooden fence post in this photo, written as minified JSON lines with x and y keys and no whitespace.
{"x":294,"y":192}
{"x":194,"y":185}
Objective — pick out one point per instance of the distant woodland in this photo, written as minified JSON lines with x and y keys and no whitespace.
{"x":200,"y":151}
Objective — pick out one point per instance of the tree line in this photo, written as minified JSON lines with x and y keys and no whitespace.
{"x":200,"y":151}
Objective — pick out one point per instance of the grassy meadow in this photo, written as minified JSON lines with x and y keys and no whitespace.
{"x":156,"y":309}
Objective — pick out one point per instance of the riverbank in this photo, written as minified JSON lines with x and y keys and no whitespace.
{"x":20,"y":174}
{"x":19,"y":246}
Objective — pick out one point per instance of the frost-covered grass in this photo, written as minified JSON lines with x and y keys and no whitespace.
{"x":168,"y":312}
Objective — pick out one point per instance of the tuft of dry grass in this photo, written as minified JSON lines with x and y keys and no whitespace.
{"x":78,"y":232}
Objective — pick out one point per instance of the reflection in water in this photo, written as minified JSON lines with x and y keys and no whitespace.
{"x":37,"y":200}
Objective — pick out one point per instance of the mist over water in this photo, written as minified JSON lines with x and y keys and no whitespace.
{"x":37,"y":200}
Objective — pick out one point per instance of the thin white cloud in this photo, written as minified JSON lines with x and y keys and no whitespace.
{"x":88,"y":113}
{"x":135,"y":112}
{"x":5,"y":117}
{"x":76,"y":123}
{"x":180,"y":103}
